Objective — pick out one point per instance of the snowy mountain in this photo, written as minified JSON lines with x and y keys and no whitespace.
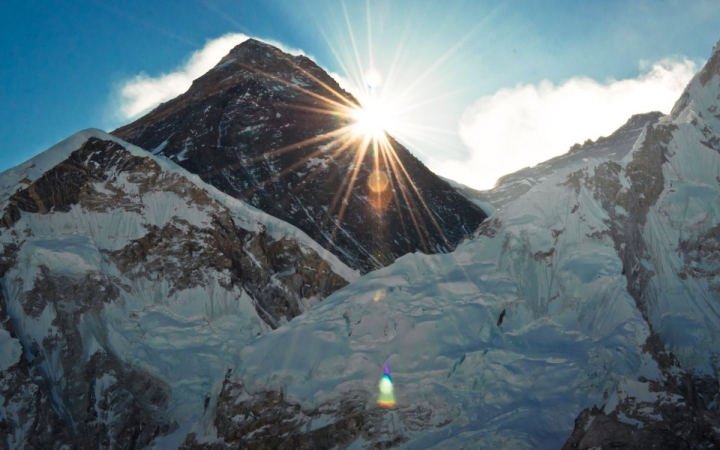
{"x":127,"y":283}
{"x":262,"y":126}
{"x":585,"y":313}
{"x":143,"y":308}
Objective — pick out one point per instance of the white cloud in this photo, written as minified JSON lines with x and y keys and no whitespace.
{"x":142,"y":92}
{"x":528,"y":124}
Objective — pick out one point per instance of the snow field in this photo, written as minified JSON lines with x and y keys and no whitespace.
{"x":435,"y":318}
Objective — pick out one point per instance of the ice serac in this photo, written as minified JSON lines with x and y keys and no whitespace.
{"x":605,"y":272}
{"x":127,"y":285}
{"x":259,"y":127}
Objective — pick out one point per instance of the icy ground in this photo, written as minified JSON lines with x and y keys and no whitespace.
{"x":570,"y":334}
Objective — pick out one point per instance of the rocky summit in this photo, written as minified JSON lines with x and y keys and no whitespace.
{"x":265,"y":127}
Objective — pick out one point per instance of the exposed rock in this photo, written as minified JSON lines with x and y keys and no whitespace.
{"x":278,"y":274}
{"x":106,"y":403}
{"x":500,"y":319}
{"x":29,"y":419}
{"x":62,"y":186}
{"x":644,"y":173}
{"x":701,"y":255}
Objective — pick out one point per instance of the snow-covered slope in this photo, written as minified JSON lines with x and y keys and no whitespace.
{"x":127,"y":283}
{"x":570,"y":332}
{"x":597,"y":288}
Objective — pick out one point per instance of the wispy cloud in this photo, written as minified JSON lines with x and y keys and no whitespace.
{"x":144,"y":92}
{"x":528,"y":124}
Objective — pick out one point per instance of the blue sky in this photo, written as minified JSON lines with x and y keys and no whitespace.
{"x":64,"y":63}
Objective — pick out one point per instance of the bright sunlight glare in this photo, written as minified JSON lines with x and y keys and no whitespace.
{"x":373,"y":79}
{"x":375,"y":116}
{"x":373,"y":119}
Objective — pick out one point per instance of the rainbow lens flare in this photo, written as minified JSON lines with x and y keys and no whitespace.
{"x":387,"y":397}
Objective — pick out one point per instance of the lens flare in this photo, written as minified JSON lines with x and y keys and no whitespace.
{"x":387,"y":397}
{"x":378,"y":181}
{"x":386,"y":387}
{"x":379,"y":295}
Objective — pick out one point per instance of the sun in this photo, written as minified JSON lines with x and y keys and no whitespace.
{"x":373,"y":119}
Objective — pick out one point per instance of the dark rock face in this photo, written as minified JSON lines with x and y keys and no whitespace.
{"x":63,"y":186}
{"x":267,"y":128}
{"x":104,"y":387}
{"x":701,"y":255}
{"x":26,"y":398}
{"x":180,"y":253}
{"x":644,"y":173}
{"x":70,"y":182}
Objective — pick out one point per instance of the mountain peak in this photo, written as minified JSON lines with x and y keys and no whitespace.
{"x":250,"y":52}
{"x":274,"y":130}
{"x":699,"y":88}
{"x":253,"y":42}
{"x":253,"y":45}
{"x":712,"y":67}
